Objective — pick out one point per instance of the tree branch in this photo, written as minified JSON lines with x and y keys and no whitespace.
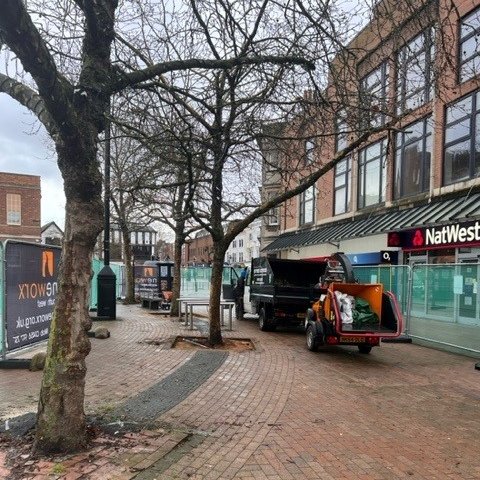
{"x":127,"y":79}
{"x":23,"y":38}
{"x":29,"y":99}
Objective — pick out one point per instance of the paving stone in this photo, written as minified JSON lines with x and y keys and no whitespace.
{"x":404,"y":411}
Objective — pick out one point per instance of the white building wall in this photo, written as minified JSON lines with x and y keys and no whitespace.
{"x":246,"y":245}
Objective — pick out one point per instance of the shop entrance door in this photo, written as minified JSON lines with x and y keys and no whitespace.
{"x":467,"y":301}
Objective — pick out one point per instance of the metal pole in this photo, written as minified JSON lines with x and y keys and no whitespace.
{"x":106,"y":234}
{"x":106,"y":279}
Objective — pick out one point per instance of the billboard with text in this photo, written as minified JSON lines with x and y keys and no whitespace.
{"x":31,"y":287}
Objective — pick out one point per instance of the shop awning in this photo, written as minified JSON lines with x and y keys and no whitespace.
{"x":434,"y":213}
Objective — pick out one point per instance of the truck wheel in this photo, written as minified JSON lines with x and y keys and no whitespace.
{"x":364,"y":348}
{"x":262,"y":320}
{"x":312,"y":341}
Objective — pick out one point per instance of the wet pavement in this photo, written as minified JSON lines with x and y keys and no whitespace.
{"x":278,"y":412}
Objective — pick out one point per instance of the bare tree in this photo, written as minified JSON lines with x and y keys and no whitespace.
{"x":66,"y":48}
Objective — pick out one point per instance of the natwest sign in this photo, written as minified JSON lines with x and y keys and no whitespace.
{"x":456,"y":234}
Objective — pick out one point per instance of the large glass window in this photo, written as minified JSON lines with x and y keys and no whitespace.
{"x":469,"y":43}
{"x":462,"y":140}
{"x":372,"y":175}
{"x":342,"y":190}
{"x":373,"y":96}
{"x":14,"y":209}
{"x":307,"y":203}
{"x":414,"y":72}
{"x":412,"y":159}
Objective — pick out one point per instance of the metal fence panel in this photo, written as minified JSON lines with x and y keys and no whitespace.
{"x":195,"y":281}
{"x":445,"y":305}
{"x":394,"y":278}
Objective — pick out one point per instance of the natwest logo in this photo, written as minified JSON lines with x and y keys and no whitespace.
{"x":418,"y":240}
{"x":452,"y":234}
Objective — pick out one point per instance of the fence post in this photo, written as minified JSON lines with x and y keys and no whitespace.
{"x":409,"y":298}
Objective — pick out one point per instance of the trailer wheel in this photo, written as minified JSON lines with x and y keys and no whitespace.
{"x":364,"y":348}
{"x":312,"y":342}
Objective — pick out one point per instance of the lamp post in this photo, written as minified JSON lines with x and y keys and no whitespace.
{"x":106,"y":280}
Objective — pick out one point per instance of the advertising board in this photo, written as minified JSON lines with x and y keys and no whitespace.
{"x":146,"y":280}
{"x":31,"y":287}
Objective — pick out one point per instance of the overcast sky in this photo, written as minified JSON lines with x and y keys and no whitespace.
{"x":25,"y":148}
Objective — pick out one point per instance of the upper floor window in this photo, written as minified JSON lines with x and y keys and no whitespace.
{"x":272,"y":217}
{"x":373,"y":96}
{"x":240,"y":243}
{"x":309,"y":150}
{"x":462,"y":140}
{"x":415,"y":72}
{"x":270,"y":159}
{"x":234,"y":244}
{"x":469,"y":43}
{"x":14,"y":209}
{"x":307,"y":203}
{"x":342,"y":190}
{"x":412,"y":159}
{"x":372,"y":174}
{"x":341,"y":136}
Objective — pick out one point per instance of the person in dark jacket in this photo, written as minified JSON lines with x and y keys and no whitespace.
{"x":238,"y":293}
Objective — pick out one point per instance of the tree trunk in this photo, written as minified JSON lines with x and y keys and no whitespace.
{"x":129,"y":269}
{"x":215,"y":332}
{"x":177,"y":272}
{"x":61,"y":424}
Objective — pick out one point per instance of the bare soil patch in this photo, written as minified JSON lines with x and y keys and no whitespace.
{"x":201,"y":343}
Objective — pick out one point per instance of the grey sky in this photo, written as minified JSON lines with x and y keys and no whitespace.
{"x":25,"y":148}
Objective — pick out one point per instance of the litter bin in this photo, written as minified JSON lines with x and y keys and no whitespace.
{"x":106,"y":298}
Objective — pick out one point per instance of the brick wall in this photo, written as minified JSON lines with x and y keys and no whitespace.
{"x":380,"y":41}
{"x":28,"y":187}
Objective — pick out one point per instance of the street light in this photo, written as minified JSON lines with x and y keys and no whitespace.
{"x":106,"y":280}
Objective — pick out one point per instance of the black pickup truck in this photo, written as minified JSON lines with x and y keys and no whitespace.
{"x":280,"y":291}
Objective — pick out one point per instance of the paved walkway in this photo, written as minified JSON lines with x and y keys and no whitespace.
{"x":279,"y":412}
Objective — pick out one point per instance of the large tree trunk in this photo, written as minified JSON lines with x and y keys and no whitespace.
{"x":215,"y":332}
{"x":61,"y":418}
{"x":177,"y":271}
{"x":129,"y":268}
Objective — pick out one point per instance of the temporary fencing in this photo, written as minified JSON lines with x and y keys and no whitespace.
{"x":440,"y":303}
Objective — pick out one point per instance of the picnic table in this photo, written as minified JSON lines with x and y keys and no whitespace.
{"x":191,"y":302}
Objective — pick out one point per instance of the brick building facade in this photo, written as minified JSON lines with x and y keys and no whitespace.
{"x":411,"y":79}
{"x":20,"y":197}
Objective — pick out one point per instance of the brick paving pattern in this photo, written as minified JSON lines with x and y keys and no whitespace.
{"x":279,"y":412}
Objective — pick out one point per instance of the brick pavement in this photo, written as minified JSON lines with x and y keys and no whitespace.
{"x":279,"y":412}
